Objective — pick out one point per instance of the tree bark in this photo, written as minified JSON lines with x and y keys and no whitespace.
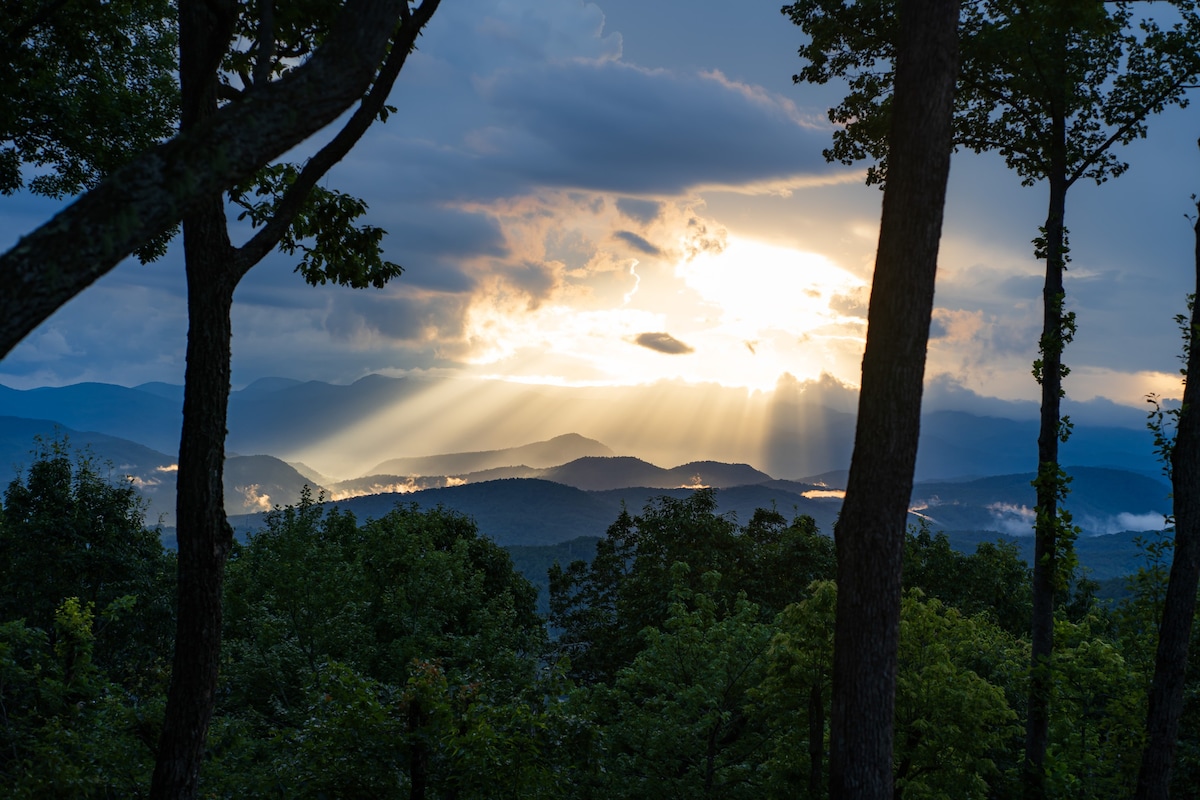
{"x":49,"y":266}
{"x":202,"y":531}
{"x":1049,"y":484}
{"x":870,"y":531}
{"x":1179,"y":607}
{"x":816,"y":738}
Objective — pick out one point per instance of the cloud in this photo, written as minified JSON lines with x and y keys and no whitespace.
{"x":532,"y":279}
{"x":955,"y":326}
{"x":663,"y":343}
{"x":701,"y":240}
{"x":1013,"y":519}
{"x":643,"y":211}
{"x":1141,"y":522}
{"x":851,"y":304}
{"x":637,"y":243}
{"x":614,"y":126}
{"x":1125,"y":521}
{"x":253,"y":499}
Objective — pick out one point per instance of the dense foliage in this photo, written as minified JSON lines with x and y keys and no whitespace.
{"x":403,"y":657}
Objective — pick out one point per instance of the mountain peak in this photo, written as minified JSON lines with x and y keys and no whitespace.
{"x":539,"y":455}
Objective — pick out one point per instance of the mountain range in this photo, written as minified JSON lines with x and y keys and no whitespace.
{"x":355,"y":430}
{"x":972,"y":470}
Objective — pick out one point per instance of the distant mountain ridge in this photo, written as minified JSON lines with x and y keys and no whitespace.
{"x":532,"y":512}
{"x":252,"y":483}
{"x":599,"y":474}
{"x":569,"y":485}
{"x":539,"y":455}
{"x":378,"y":419}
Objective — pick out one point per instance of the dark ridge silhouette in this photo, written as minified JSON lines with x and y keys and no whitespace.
{"x":538,"y":455}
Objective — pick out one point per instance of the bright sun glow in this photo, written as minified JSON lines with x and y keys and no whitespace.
{"x":761,"y":288}
{"x":739,"y":315}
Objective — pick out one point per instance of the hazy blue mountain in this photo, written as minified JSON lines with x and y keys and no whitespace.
{"x":280,"y":416}
{"x":524,"y":511}
{"x":258,"y":483}
{"x":113,"y":456}
{"x":539,"y":455}
{"x":292,"y":420}
{"x":313,"y":476}
{"x":167,"y":391}
{"x":718,"y":474}
{"x":499,"y":473}
{"x":598,"y":474}
{"x":263,"y":385}
{"x":591,"y":473}
{"x":612,"y":472}
{"x":513,"y":511}
{"x":1100,"y":500}
{"x":404,"y":484}
{"x":955,"y":443}
{"x":138,"y":416}
{"x":252,"y":483}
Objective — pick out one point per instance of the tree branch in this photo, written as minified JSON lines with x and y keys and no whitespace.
{"x":266,"y":44}
{"x":1138,"y":116}
{"x":265,"y":240}
{"x":84,"y":241}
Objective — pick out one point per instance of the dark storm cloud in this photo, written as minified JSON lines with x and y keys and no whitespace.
{"x":663,"y":343}
{"x":611,"y":126}
{"x":398,"y":317}
{"x":445,"y":233}
{"x":643,"y":211}
{"x":637,"y":243}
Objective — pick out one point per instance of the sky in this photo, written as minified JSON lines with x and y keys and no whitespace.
{"x":621,"y":192}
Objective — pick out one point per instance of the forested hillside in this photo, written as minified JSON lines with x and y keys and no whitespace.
{"x":685,"y":654}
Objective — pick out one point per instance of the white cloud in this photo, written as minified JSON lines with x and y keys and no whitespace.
{"x":1013,"y":519}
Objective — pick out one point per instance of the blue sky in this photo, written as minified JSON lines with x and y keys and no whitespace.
{"x":623,"y":191}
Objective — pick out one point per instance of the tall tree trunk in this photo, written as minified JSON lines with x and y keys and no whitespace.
{"x":870,"y":532}
{"x":1049,"y":484}
{"x":203,"y":533}
{"x":1175,"y":631}
{"x":816,"y":738}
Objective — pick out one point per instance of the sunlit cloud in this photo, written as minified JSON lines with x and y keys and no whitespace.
{"x":253,"y":499}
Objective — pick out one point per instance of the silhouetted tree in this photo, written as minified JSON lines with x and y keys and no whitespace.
{"x":296,"y":215}
{"x":1052,"y":86}
{"x":870,"y":532}
{"x":1179,"y":605}
{"x":149,"y":195}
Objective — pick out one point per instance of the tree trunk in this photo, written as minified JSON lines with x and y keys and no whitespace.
{"x":870,"y":531}
{"x":418,"y":767}
{"x":1049,"y":483}
{"x":203,"y":533}
{"x":816,"y":738}
{"x":204,"y":538}
{"x":1175,"y":631}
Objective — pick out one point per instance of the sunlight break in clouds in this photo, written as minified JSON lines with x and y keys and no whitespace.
{"x":716,"y":308}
